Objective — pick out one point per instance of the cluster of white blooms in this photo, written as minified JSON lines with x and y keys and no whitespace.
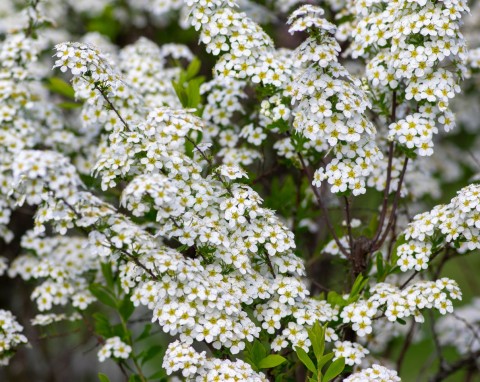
{"x":10,"y":336}
{"x":233,"y":252}
{"x":28,"y":117}
{"x":373,"y":374}
{"x":395,"y":303}
{"x":462,"y":329}
{"x":352,"y":352}
{"x":456,"y":224}
{"x":50,"y":318}
{"x":144,"y":66}
{"x":306,"y":313}
{"x":114,"y":347}
{"x":331,"y":105}
{"x":196,"y":366}
{"x":416,"y":52}
{"x":64,"y":263}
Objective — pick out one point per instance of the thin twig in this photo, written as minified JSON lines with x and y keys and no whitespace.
{"x":406,"y":345}
{"x":386,"y":193}
{"x":349,"y":222}
{"x":376,"y":245}
{"x":322,"y":206}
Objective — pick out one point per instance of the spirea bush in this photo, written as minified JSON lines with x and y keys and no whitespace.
{"x":205,"y":204}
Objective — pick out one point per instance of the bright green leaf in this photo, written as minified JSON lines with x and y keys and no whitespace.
{"x":303,"y":356}
{"x":272,"y":360}
{"x":103,"y":378}
{"x":323,"y":361}
{"x":151,"y":353}
{"x":257,"y":352}
{"x":335,"y":368}
{"x":103,"y":295}
{"x":59,"y":86}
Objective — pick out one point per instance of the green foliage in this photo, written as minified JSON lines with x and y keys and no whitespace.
{"x":103,"y":378}
{"x":320,"y":361}
{"x":257,"y":356}
{"x":103,"y":294}
{"x":61,"y":87}
{"x":188,"y":86}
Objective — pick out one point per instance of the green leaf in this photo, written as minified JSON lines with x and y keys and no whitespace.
{"x":102,"y":325}
{"x":126,"y":307}
{"x":134,"y":378}
{"x":335,"y":368}
{"x":317,"y":338}
{"x":103,"y":295}
{"x":303,"y":356}
{"x":107,"y":273}
{"x":333,"y":298}
{"x":272,"y":360}
{"x":69,"y":105}
{"x":380,"y":266}
{"x":193,"y":92}
{"x":401,"y":321}
{"x":151,"y":353}
{"x":193,"y":68}
{"x":158,"y":375}
{"x":103,"y":378}
{"x":394,"y":257}
{"x":59,"y":86}
{"x":323,"y":361}
{"x":257,"y":352}
{"x":145,"y":333}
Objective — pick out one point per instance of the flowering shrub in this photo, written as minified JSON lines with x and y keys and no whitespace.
{"x":267,"y":216}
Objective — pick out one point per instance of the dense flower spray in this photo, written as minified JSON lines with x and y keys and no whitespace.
{"x":152,"y":197}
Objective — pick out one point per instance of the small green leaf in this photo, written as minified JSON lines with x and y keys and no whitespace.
{"x":303,"y":356}
{"x":59,"y":86}
{"x":272,"y":360}
{"x":145,"y":333}
{"x":103,"y":378}
{"x":107,"y":273}
{"x":69,"y":105}
{"x":380,"y":266}
{"x":193,"y":68}
{"x":257,"y":353}
{"x":102,"y":325}
{"x":323,"y":361}
{"x":335,"y":368}
{"x":103,"y":295}
{"x":317,"y":338}
{"x":401,"y":321}
{"x":151,"y":353}
{"x":126,"y":307}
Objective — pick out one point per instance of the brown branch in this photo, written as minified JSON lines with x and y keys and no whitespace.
{"x":386,"y":193}
{"x":322,"y":205}
{"x":447,"y":370}
{"x":349,"y":223}
{"x":378,"y":243}
{"x":406,"y":346}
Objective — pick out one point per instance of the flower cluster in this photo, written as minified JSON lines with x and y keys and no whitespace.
{"x":373,"y":374}
{"x":10,"y":336}
{"x":114,"y":347}
{"x":396,"y":303}
{"x":462,"y":329}
{"x":352,"y":352}
{"x":416,"y":52}
{"x":197,"y":367}
{"x":456,"y":224}
{"x":64,"y":263}
{"x":331,"y":105}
